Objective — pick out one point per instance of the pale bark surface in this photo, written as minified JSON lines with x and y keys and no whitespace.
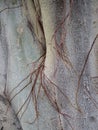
{"x":18,"y":48}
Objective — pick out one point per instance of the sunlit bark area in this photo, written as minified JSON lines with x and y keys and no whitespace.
{"x":49,"y":64}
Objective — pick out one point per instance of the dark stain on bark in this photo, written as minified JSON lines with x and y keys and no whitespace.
{"x":4,"y":100}
{"x":92,"y":119}
{"x":2,"y":128}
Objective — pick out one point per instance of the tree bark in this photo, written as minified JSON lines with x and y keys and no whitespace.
{"x":75,"y":73}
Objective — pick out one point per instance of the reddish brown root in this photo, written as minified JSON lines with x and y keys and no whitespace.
{"x":26,"y":101}
{"x":59,"y":47}
{"x":66,"y":97}
{"x":27,"y":105}
{"x":83,"y":69}
{"x":39,"y":74}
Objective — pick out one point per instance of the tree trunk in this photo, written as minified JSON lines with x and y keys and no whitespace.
{"x":65,"y":85}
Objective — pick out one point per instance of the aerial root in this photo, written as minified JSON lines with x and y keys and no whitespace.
{"x":82,"y":71}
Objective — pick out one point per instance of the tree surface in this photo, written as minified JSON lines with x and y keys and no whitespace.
{"x":49,"y":65}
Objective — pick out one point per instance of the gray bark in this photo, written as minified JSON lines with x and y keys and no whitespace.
{"x":18,"y":48}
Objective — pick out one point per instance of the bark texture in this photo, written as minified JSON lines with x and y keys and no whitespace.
{"x":19,"y":47}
